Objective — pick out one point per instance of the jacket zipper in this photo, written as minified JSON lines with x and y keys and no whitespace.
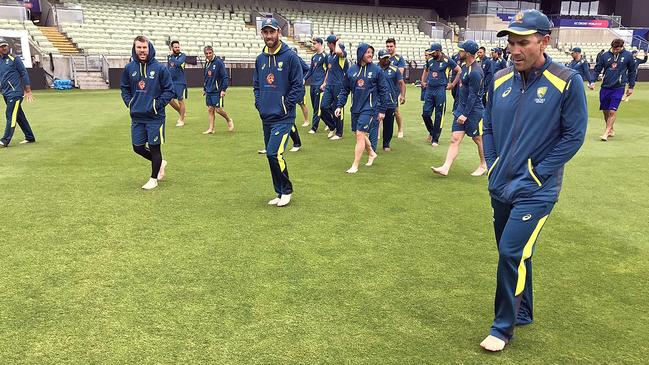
{"x":492,"y":167}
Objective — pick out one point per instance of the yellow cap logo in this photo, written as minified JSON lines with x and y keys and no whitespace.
{"x":519,"y":17}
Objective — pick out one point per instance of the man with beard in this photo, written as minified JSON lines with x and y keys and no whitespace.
{"x":176,"y":64}
{"x":535,"y":122}
{"x":468,"y":115}
{"x":147,"y":88}
{"x":316,"y":73}
{"x":400,"y":63}
{"x":580,"y":65}
{"x":278,"y":87}
{"x":435,"y":81}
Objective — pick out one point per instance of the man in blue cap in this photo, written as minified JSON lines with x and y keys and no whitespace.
{"x":435,"y":80}
{"x":497,"y":62}
{"x":337,"y":67}
{"x":278,"y":86}
{"x":397,"y":88}
{"x":468,"y":115}
{"x":15,"y":85}
{"x":400,"y":62}
{"x":534,"y":123}
{"x":619,"y":70}
{"x":582,"y":67}
{"x":316,"y":73}
{"x":485,"y":63}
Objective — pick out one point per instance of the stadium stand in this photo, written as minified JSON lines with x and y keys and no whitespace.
{"x":110,"y":27}
{"x":34,"y":32}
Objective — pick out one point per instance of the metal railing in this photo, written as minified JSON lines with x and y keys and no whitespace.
{"x":105,"y":68}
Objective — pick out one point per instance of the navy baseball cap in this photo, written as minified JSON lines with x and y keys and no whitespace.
{"x":318,"y":40}
{"x":384,"y":54}
{"x":497,"y":50}
{"x":332,"y":38}
{"x":469,"y":46}
{"x":270,"y":23}
{"x":528,"y":22}
{"x":3,"y":42}
{"x":576,"y":49}
{"x":435,"y":47}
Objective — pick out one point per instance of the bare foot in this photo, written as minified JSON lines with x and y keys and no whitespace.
{"x":352,"y":170}
{"x":493,"y":344}
{"x":440,"y":170}
{"x":161,"y":172}
{"x":371,"y":159}
{"x":230,"y":125}
{"x":481,"y":170}
{"x":209,"y":131}
{"x":429,"y":138}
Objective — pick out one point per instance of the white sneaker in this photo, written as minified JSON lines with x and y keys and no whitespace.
{"x":273,"y":201}
{"x":400,"y":135}
{"x":326,"y":128}
{"x":435,"y":144}
{"x":284,"y":200}
{"x":161,"y":173}
{"x":331,"y":134}
{"x":311,"y":131}
{"x":151,"y":184}
{"x":306,"y":123}
{"x":180,"y":123}
{"x":295,"y":149}
{"x":261,"y":152}
{"x":335,"y":138}
{"x":2,"y":145}
{"x":352,"y":170}
{"x":26,"y":141}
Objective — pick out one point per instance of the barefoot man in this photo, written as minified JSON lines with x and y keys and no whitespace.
{"x":468,"y":115}
{"x":535,"y":122}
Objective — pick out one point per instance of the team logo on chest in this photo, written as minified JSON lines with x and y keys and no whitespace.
{"x":434,"y":74}
{"x":360,"y":82}
{"x":141,"y":84}
{"x":506,"y":92}
{"x":134,"y":73}
{"x":540,"y":94}
{"x":151,"y":74}
{"x":614,"y":65}
{"x":209,"y":73}
{"x":270,"y":78}
{"x":280,"y":65}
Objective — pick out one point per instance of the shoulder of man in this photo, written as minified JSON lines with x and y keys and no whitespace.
{"x":559,"y":75}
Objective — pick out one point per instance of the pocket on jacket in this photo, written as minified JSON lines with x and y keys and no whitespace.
{"x":271,"y":105}
{"x":530,"y":170}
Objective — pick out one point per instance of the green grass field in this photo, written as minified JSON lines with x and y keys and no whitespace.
{"x":393,"y":265}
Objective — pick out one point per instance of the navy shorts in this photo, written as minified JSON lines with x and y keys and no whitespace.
{"x":214,"y":100}
{"x":180,"y":91}
{"x":363,"y":122}
{"x":472,"y":127}
{"x":609,"y":99}
{"x":152,"y":133}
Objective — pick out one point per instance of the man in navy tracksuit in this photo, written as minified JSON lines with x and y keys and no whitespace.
{"x":619,"y":69}
{"x":638,"y":62}
{"x":435,"y":80}
{"x":399,"y":62}
{"x":176,"y":64}
{"x":580,"y":65}
{"x":370,"y":97}
{"x":215,"y":85}
{"x":485,"y":63}
{"x":337,"y":66}
{"x":15,"y":85}
{"x":316,"y":73}
{"x":497,"y":63}
{"x":147,"y":88}
{"x":456,"y":88}
{"x":278,"y":86}
{"x":397,"y":88}
{"x":535,"y":122}
{"x":468,"y":115}
{"x":302,"y":103}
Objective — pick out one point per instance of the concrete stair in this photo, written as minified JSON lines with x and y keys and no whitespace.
{"x":91,"y":80}
{"x":61,"y":42}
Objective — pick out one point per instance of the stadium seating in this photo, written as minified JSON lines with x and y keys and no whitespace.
{"x":110,"y":27}
{"x":34,"y":33}
{"x":589,"y":50}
